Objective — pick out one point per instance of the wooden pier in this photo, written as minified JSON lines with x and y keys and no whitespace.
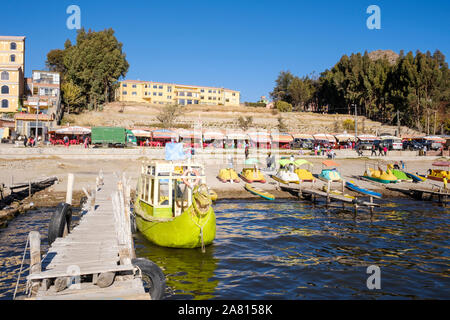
{"x":94,"y":260}
{"x":314,"y":194}
{"x":424,"y":194}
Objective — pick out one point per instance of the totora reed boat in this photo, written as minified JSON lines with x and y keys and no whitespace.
{"x":173,"y":205}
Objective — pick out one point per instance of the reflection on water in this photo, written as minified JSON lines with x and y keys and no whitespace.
{"x":288,"y":249}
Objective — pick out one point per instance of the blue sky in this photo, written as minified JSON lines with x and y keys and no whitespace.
{"x":240,"y":45}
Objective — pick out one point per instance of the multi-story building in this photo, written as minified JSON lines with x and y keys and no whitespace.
{"x":42,"y":104}
{"x":170,"y":93}
{"x":12,"y":70}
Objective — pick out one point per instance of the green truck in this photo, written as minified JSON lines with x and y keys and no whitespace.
{"x":112,"y":137}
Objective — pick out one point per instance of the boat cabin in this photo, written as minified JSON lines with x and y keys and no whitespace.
{"x":165,"y":187}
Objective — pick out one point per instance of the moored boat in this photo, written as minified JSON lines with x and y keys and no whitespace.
{"x":228,"y":175}
{"x":259,"y":192}
{"x":352,"y":186}
{"x":173,"y":205}
{"x":331,"y":173}
{"x":380,"y":176}
{"x":439,"y":174}
{"x":286,"y":172}
{"x":415,"y":177}
{"x":303,"y":174}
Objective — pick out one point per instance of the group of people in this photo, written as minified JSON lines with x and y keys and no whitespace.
{"x":31,"y":141}
{"x":382,"y":150}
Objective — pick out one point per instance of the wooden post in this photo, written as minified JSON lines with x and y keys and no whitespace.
{"x":343,"y":186}
{"x":70,"y":180}
{"x":35,"y":252}
{"x":29,"y":188}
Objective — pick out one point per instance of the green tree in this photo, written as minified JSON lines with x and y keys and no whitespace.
{"x":95,"y":64}
{"x":281,"y":90}
{"x":73,"y":95}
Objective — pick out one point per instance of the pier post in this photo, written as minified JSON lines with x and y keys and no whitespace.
{"x":70,"y":180}
{"x":35,"y":257}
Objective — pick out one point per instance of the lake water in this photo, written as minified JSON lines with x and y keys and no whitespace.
{"x":287,"y":249}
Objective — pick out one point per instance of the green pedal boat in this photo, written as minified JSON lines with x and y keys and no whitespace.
{"x":173,"y":205}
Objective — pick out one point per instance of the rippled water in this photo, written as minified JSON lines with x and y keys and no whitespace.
{"x":288,"y":249}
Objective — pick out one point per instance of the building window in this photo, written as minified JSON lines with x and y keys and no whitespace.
{"x":181,"y":101}
{"x":5,"y":75}
{"x":155,"y":87}
{"x":13,"y":46}
{"x":160,"y":94}
{"x":209,"y":91}
{"x":202,"y":97}
{"x":145,"y":93}
{"x":160,"y":87}
{"x":12,"y":58}
{"x":169,"y":89}
{"x":209,"y":98}
{"x":202,"y":90}
{"x":234,"y":94}
{"x":227,"y":100}
{"x":134,"y":86}
{"x":189,"y":102}
{"x":195,"y":101}
{"x":124,"y":93}
{"x":5,"y":103}
{"x":145,"y":86}
{"x":134,"y":93}
{"x":169,"y":97}
{"x":181,"y":94}
{"x":5,"y":90}
{"x":218,"y":91}
{"x":155,"y":93}
{"x":189,"y":94}
{"x":124,"y":85}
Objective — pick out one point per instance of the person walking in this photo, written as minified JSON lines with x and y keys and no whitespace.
{"x":380,"y":150}
{"x":374,"y":150}
{"x":246,"y":151}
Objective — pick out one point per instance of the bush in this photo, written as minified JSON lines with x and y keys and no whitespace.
{"x":255,"y":104}
{"x":348,"y":124}
{"x":283,"y":106}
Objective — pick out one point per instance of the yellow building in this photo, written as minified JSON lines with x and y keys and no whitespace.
{"x":12,"y":70}
{"x":170,"y":93}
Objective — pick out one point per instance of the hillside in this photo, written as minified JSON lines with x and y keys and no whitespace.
{"x":143,"y":116}
{"x":389,"y":55}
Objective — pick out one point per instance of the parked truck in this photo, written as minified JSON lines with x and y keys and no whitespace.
{"x":112,"y":137}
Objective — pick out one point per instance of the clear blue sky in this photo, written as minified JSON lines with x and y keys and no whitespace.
{"x":240,"y":45}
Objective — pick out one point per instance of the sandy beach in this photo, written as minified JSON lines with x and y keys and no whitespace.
{"x":34,"y":166}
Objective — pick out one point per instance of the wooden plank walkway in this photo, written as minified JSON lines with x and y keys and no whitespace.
{"x":418,"y":193}
{"x":311,"y":193}
{"x":91,"y":248}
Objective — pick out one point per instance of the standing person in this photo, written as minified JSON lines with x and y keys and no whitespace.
{"x":25,"y":141}
{"x":424,"y":150}
{"x":66,"y":141}
{"x":380,"y":150}
{"x":385,"y":149}
{"x":246,"y":151}
{"x":374,"y":150}
{"x":86,"y":142}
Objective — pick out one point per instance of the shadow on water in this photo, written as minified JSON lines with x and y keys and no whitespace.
{"x":286,"y":249}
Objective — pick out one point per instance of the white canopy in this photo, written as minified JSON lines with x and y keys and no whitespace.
{"x":73,"y":130}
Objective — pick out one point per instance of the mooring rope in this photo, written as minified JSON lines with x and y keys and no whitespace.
{"x":21,"y":265}
{"x":201,"y":230}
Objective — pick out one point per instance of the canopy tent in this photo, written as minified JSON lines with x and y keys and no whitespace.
{"x":285,"y":162}
{"x":213,"y":135}
{"x":281,"y":137}
{"x":75,"y":130}
{"x":141,"y":133}
{"x":300,"y":162}
{"x":343,"y":137}
{"x":164,"y":134}
{"x":190,"y":134}
{"x":330,"y":163}
{"x":236,"y":136}
{"x":367,"y":137}
{"x":434,"y":138}
{"x":260,"y":137}
{"x":324,"y":136}
{"x":302,"y":136}
{"x":251,"y":161}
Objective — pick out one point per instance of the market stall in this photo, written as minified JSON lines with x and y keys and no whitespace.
{"x":213,"y":138}
{"x":162,"y":136}
{"x":282,"y":140}
{"x":75,"y":134}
